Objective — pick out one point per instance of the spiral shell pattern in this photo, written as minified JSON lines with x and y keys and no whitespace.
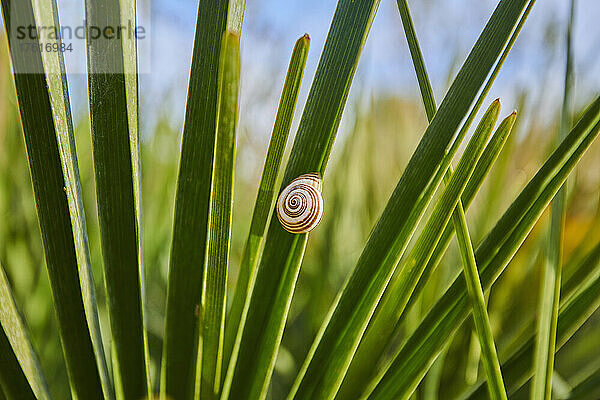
{"x":300,"y":204}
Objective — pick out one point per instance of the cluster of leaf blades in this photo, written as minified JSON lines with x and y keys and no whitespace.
{"x":40,"y":81}
{"x":336,"y":343}
{"x":480,"y":315}
{"x":266,"y":193}
{"x":209,"y":352}
{"x":214,"y":282}
{"x":492,"y":255}
{"x":390,"y":310}
{"x":579,"y":299}
{"x":192,"y":202}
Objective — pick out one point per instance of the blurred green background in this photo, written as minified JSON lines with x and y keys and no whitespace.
{"x":379,"y":133}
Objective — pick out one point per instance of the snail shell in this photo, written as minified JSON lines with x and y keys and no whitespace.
{"x":300,"y":204}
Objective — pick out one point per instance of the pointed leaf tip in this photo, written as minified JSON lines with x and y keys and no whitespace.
{"x":232,"y":35}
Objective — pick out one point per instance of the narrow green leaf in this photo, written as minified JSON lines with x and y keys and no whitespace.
{"x":20,"y":375}
{"x":190,"y":226}
{"x":410,"y":364}
{"x":551,"y":273}
{"x":41,"y":85}
{"x":334,"y":347}
{"x":480,"y":174}
{"x":574,"y":311}
{"x":214,"y":286}
{"x":501,"y":174}
{"x":259,"y":388}
{"x":112,"y":84}
{"x":417,"y":59}
{"x":236,"y":318}
{"x":491,"y":364}
{"x":280,"y":263}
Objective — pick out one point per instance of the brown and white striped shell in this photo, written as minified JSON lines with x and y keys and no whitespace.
{"x":300,"y":204}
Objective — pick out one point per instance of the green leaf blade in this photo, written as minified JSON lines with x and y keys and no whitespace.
{"x":481,"y":319}
{"x":112,"y":84}
{"x":480,"y":315}
{"x":20,"y":375}
{"x":236,"y":317}
{"x":214,"y":287}
{"x":417,"y":59}
{"x":552,"y":270}
{"x":190,"y":225}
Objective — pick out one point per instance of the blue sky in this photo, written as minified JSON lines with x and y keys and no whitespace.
{"x":446,"y":28}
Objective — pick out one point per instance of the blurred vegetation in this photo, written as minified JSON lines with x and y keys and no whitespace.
{"x":377,"y":141}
